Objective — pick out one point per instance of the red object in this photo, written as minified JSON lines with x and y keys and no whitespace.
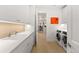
{"x":54,"y":20}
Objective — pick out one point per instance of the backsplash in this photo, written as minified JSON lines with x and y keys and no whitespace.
{"x":7,"y":29}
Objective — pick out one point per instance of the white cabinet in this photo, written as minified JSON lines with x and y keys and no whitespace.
{"x":75,"y":47}
{"x":67,"y":14}
{"x":67,"y":19}
{"x":71,"y":17}
{"x":26,"y":45}
{"x":64,"y":15}
{"x":73,"y":29}
{"x":75,"y":23}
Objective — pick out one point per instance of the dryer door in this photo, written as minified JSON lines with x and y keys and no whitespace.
{"x":64,"y":38}
{"x":58,"y":36}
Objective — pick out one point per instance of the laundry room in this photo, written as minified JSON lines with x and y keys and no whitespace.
{"x":39,"y":28}
{"x":45,"y":25}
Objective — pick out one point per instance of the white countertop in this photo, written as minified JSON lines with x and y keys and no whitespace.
{"x":9,"y":43}
{"x":62,"y":27}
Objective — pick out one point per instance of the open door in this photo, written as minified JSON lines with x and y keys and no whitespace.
{"x":42,"y":22}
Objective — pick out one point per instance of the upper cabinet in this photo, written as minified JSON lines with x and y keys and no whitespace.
{"x":71,"y":14}
{"x":66,"y":14}
{"x":75,"y":23}
{"x":18,"y":13}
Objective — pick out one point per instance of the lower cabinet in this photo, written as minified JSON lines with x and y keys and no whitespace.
{"x":73,"y":47}
{"x":26,"y":45}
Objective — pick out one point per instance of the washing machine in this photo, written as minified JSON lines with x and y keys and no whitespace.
{"x":59,"y":37}
{"x":64,"y":40}
{"x":62,"y":35}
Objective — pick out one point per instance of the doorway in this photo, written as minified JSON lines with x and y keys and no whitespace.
{"x":42,"y":22}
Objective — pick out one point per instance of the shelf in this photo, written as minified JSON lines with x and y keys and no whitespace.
{"x":1,"y":21}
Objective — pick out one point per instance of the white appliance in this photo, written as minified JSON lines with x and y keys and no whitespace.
{"x":64,"y":40}
{"x":62,"y":35}
{"x":59,"y":37}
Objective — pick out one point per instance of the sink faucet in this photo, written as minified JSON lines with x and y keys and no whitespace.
{"x":16,"y":32}
{"x":9,"y":34}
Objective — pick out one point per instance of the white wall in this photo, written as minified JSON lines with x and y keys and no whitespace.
{"x":51,"y":28}
{"x":24,"y":13}
{"x":51,"y":11}
{"x":65,"y":14}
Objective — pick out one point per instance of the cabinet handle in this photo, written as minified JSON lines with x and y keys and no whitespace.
{"x":69,"y":45}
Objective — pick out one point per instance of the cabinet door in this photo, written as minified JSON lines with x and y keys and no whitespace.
{"x":64,"y":14}
{"x":75,"y":47}
{"x":75,"y":23}
{"x":26,"y":45}
{"x":67,"y":13}
{"x":74,"y":29}
{"x":22,"y":48}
